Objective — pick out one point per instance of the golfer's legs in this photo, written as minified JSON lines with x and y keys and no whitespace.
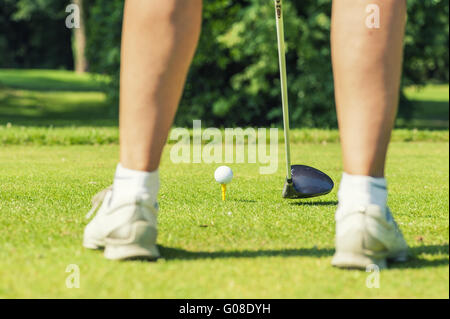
{"x":158,"y":43}
{"x":367,"y":65}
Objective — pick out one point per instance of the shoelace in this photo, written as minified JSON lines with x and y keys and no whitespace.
{"x":97,"y":201}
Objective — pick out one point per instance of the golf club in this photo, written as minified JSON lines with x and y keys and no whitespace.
{"x":301,"y":181}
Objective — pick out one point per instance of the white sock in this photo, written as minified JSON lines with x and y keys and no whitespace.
{"x":129,"y":182}
{"x":357,"y":191}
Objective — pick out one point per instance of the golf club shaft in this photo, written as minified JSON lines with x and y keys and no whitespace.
{"x":283,"y":78}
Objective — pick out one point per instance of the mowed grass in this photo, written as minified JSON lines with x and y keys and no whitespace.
{"x":46,"y":98}
{"x":430,"y":107}
{"x":254,"y":245}
{"x":58,"y":147}
{"x":58,"y":98}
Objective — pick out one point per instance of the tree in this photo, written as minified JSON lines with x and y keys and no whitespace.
{"x":79,"y":36}
{"x":234,"y":79}
{"x":33,"y":35}
{"x":54,"y":9}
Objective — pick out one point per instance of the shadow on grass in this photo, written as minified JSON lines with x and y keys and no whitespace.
{"x":177,"y":253}
{"x":311,"y":203}
{"x":414,"y":261}
{"x":34,"y":111}
{"x":429,"y":115}
{"x":42,"y":102}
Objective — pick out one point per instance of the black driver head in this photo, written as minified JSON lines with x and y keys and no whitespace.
{"x":307,"y":182}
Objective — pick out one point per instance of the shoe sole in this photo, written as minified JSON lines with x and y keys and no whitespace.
{"x":126,"y":253}
{"x":357,"y":261}
{"x":140,"y":244}
{"x":93,"y":245}
{"x":361,"y":261}
{"x":131,"y":252}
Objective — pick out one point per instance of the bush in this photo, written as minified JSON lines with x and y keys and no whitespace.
{"x":103,"y":30}
{"x":33,"y":36}
{"x":234,"y":78}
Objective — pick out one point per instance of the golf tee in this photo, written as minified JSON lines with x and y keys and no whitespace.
{"x":224,"y":190}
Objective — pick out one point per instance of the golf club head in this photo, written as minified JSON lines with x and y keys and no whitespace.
{"x":307,"y":182}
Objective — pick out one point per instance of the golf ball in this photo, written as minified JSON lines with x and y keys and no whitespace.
{"x":223,"y":174}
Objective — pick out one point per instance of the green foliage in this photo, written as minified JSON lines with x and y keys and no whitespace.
{"x":33,"y":35}
{"x":426,"y":42}
{"x":103,"y":29}
{"x":255,"y":87}
{"x":48,"y":107}
{"x":26,"y":9}
{"x":234,"y":78}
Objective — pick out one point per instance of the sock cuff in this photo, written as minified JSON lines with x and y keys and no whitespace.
{"x":361,"y":180}
{"x":137,"y":179}
{"x":120,"y":169}
{"x":358,"y":190}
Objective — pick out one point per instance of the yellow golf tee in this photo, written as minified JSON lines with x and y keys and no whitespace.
{"x":224,"y":190}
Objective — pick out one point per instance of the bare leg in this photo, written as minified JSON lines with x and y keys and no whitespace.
{"x":158,"y":43}
{"x":367,"y":67}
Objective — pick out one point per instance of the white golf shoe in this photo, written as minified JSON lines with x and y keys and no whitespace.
{"x":367,"y":236}
{"x":125,"y":227}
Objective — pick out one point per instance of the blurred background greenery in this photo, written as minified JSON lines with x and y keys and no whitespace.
{"x":234,"y":78}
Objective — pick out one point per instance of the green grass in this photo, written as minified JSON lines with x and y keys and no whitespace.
{"x":50,"y":80}
{"x":53,"y":98}
{"x":58,"y":147}
{"x":256,"y":244}
{"x":431,"y":107}
{"x":88,"y":135}
{"x":61,"y":98}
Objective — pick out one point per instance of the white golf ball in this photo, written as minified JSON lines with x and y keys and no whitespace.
{"x":223,"y":174}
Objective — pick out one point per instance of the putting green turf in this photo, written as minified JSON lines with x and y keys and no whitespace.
{"x":253,"y":245}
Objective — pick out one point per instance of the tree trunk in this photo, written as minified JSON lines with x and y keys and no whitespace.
{"x":79,"y":34}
